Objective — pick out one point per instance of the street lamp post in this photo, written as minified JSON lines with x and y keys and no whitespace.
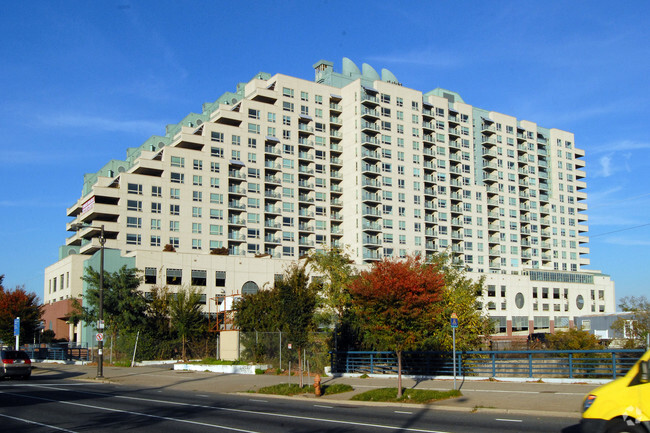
{"x":100,"y":343}
{"x":100,"y":322}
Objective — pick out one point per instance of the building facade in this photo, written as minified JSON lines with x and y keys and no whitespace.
{"x":284,"y":166}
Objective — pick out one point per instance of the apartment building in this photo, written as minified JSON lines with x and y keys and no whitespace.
{"x":284,"y":166}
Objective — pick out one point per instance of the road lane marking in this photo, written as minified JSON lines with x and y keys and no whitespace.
{"x":37,"y":423}
{"x":244,"y":411}
{"x":202,"y":395}
{"x":403,"y":411}
{"x":260,"y":401}
{"x":508,"y":420}
{"x":323,"y":406}
{"x":166,"y":418}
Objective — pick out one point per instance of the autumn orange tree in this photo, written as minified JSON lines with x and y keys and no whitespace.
{"x":18,"y":303}
{"x":394,"y":304}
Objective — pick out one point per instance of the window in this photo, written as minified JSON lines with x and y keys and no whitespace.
{"x":134,"y":188}
{"x":253,"y":128}
{"x":155,"y":241}
{"x":178,"y":178}
{"x":220,"y":279}
{"x":150,"y":275}
{"x":156,"y":191}
{"x":177,"y":161}
{"x":217,"y":151}
{"x":131,"y":239}
{"x":216,"y":136}
{"x":134,"y":205}
{"x":286,"y":91}
{"x":174,"y":209}
{"x":156,"y":207}
{"x":134,"y":222}
{"x":174,"y":276}
{"x":155,"y":224}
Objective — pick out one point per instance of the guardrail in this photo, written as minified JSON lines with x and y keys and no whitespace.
{"x":570,"y":364}
{"x":58,"y":352}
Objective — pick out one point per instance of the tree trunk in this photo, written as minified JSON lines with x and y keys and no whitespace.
{"x":399,"y":374}
{"x":183,"y":354}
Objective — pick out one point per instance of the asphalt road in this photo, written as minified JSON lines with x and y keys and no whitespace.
{"x":43,"y":404}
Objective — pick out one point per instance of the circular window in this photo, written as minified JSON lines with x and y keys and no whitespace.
{"x":250,"y":288}
{"x":519,"y":300}
{"x":580,"y":302}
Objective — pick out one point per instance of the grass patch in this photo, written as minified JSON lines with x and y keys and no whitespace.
{"x":214,"y":361}
{"x":122,"y":364}
{"x":409,"y":395}
{"x":295,"y":389}
{"x":260,"y":371}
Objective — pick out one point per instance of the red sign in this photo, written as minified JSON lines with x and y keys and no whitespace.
{"x":100,"y":337}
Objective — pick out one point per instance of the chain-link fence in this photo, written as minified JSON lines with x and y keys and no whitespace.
{"x":276,"y":350}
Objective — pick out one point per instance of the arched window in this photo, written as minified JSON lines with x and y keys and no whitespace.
{"x":250,"y":288}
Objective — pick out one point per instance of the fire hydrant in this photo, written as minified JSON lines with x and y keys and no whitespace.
{"x":317,"y":389}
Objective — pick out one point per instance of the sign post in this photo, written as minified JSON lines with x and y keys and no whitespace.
{"x":454,"y":325}
{"x":17,"y":331}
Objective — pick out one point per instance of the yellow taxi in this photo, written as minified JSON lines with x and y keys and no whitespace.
{"x":622,"y":405}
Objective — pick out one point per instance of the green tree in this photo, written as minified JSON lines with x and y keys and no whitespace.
{"x":124,"y":305}
{"x":336,"y":267}
{"x":18,"y":303}
{"x":573,"y":339}
{"x":297,"y":299}
{"x":258,"y":312}
{"x":185,"y":313}
{"x":461,"y":295}
{"x":637,"y":326}
{"x":395,"y":303}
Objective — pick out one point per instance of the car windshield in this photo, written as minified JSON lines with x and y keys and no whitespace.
{"x":14,"y":354}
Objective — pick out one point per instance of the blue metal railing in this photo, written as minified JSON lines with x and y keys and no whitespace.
{"x":571,"y":364}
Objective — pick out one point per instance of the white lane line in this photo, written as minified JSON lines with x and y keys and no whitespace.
{"x":253,"y":412}
{"x":202,"y":395}
{"x":508,"y":420}
{"x":37,"y":423}
{"x":258,"y":400}
{"x":323,"y":406}
{"x":166,"y":418}
{"x":403,"y":411}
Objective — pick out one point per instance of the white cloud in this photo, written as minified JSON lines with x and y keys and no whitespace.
{"x":605,"y":166}
{"x":620,"y":146}
{"x":628,"y":241}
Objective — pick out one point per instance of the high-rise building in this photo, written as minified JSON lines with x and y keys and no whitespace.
{"x":284,"y":166}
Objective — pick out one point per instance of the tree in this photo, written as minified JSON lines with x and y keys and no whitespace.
{"x":461,"y":295}
{"x":18,"y":303}
{"x":124,"y":305}
{"x":573,"y":339}
{"x":185,"y":313}
{"x":395,"y":303}
{"x":637,"y":326}
{"x":258,"y":312}
{"x":336,"y":266}
{"x":297,"y":299}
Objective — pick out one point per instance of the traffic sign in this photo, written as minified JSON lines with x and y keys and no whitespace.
{"x":100,"y":336}
{"x":100,"y":324}
{"x":454,"y":320}
{"x":17,"y":327}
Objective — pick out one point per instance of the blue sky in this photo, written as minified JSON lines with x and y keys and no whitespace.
{"x":81,"y":81}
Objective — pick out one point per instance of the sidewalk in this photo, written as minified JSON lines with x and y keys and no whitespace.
{"x":478,"y":396}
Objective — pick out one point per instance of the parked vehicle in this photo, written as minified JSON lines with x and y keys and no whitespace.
{"x":621,"y":406}
{"x":15,"y":363}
